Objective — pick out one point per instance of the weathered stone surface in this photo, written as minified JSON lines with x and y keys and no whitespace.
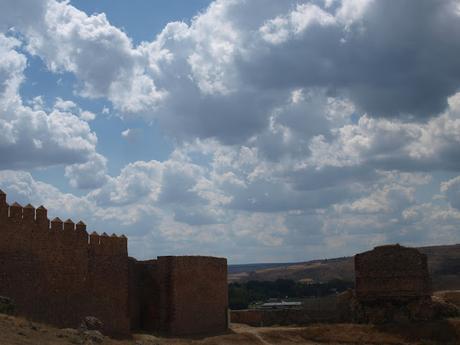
{"x":391,"y":272}
{"x":180,"y":295}
{"x":93,"y":336}
{"x":393,"y":285}
{"x":55,"y":275}
{"x":91,"y":323}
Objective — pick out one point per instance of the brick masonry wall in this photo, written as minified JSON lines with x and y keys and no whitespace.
{"x":144,"y":295}
{"x":193,"y":295}
{"x":56,"y":274}
{"x":391,"y":272}
{"x":134,"y":271}
{"x":249,"y":317}
{"x":179,"y":295}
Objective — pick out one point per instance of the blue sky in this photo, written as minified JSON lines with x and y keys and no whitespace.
{"x":258,"y":130}
{"x":142,"y":20}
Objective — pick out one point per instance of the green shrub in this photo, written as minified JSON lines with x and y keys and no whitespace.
{"x":6,"y":305}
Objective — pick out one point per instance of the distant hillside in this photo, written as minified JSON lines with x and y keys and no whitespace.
{"x":443,"y":263}
{"x":444,"y":266}
{"x":234,"y":269}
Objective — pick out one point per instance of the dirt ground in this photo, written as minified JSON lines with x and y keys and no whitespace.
{"x":19,"y":331}
{"x":451,"y":296}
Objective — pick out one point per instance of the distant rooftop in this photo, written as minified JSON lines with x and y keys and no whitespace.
{"x":280,"y":305}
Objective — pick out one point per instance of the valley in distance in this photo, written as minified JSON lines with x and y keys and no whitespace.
{"x":443,"y":264}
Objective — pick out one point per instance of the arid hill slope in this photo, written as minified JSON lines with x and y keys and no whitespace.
{"x":443,"y":262}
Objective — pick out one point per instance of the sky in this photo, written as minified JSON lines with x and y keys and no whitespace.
{"x":260,"y":131}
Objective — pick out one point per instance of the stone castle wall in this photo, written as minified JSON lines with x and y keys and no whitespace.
{"x":57,"y":273}
{"x":195,"y":292}
{"x":181,"y":295}
{"x":391,"y":272}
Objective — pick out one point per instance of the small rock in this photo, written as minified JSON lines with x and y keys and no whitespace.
{"x":33,"y":326}
{"x":69,"y":332}
{"x":94,"y":336}
{"x":91,"y":323}
{"x":72,"y":335}
{"x":76,"y":340}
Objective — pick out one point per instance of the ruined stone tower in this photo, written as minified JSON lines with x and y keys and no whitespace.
{"x":391,"y":272}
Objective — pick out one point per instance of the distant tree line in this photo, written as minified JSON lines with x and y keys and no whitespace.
{"x":241,"y":295}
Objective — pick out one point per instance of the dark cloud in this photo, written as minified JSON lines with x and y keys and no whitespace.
{"x":266,"y":196}
{"x":399,"y":59}
{"x":231,"y":119}
{"x":330,"y":176}
{"x":194,"y":216}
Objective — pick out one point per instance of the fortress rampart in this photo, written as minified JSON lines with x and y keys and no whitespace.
{"x":57,"y":273}
{"x":391,"y":272}
{"x":175,"y":295}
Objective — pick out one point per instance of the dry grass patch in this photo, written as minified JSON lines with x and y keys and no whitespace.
{"x":450,"y":296}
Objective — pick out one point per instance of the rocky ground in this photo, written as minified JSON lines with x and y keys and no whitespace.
{"x":19,"y":331}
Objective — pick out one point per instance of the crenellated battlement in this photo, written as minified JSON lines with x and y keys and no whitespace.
{"x":58,"y":273}
{"x":30,"y":219}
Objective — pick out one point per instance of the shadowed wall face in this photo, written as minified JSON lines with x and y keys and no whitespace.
{"x":57,"y":275}
{"x":391,"y":272}
{"x":196,"y":295}
{"x":181,"y":295}
{"x":144,"y":290}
